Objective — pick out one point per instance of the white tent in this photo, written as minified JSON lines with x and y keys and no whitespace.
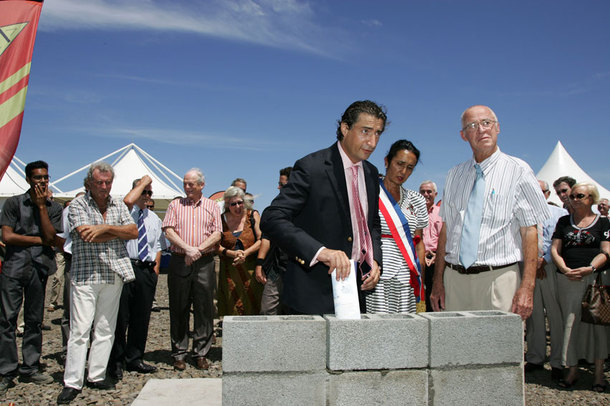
{"x":13,"y":182}
{"x":129,"y":163}
{"x":559,"y":164}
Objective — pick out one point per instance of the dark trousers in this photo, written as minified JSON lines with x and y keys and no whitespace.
{"x":134,"y":316}
{"x":65,"y":317}
{"x":12,"y":294}
{"x":193,"y":284}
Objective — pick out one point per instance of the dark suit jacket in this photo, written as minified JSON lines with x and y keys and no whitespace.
{"x":312,"y":211}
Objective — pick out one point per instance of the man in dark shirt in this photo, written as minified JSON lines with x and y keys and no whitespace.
{"x":29,"y":224}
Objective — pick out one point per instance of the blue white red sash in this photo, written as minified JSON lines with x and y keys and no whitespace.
{"x":399,"y":227}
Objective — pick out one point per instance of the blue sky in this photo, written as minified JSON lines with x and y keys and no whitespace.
{"x":242,"y":88}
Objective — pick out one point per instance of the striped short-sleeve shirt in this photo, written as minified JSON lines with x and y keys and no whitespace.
{"x":194,"y":222}
{"x":513,"y":199}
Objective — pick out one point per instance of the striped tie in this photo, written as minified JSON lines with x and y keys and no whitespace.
{"x":142,"y":240}
{"x":366,"y":245}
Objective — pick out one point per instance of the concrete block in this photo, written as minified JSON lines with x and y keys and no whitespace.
{"x":389,"y":341}
{"x":477,"y":386}
{"x":475,"y":337}
{"x":273,"y":343}
{"x":378,"y":388}
{"x":268,"y":389}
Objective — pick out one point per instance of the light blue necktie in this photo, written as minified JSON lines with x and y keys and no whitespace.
{"x":469,"y":245}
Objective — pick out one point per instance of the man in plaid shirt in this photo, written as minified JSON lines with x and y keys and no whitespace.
{"x":99,"y":225}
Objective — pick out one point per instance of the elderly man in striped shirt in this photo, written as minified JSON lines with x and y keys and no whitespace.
{"x":193,"y":227}
{"x":491,"y":206}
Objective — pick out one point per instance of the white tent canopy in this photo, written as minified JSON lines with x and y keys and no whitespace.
{"x":13,"y":182}
{"x":559,"y":164}
{"x":129,"y":163}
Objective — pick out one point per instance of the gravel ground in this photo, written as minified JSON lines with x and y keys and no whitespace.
{"x":539,"y":390}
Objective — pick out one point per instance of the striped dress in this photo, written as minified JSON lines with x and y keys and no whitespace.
{"x":393,"y":294}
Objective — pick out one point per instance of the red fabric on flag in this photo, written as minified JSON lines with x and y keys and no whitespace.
{"x":15,"y":54}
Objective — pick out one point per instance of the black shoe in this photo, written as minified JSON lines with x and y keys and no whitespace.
{"x":530,"y":367}
{"x":141,"y":367}
{"x":115,"y":372}
{"x":5,"y":383}
{"x":67,"y":395}
{"x":101,"y":385}
{"x":37,"y":377}
{"x":556,"y":374}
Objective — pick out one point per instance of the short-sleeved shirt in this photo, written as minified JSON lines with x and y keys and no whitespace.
{"x":194,"y":222}
{"x":22,"y":215}
{"x":431,"y":233}
{"x":154,"y":234}
{"x":580,"y":245}
{"x":95,"y":263}
{"x":513,"y":199}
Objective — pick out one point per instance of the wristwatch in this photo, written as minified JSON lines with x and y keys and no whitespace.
{"x":593,"y":268}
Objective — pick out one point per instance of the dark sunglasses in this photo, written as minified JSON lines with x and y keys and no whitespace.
{"x":578,"y":196}
{"x":239,"y":203}
{"x":562,"y":191}
{"x":147,"y":192}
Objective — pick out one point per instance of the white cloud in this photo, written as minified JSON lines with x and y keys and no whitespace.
{"x":286,"y":24}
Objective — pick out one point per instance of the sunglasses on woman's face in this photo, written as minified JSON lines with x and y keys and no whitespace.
{"x":238,"y":203}
{"x":578,"y":196}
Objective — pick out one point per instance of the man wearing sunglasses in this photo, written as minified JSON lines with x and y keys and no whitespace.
{"x":563,"y":187}
{"x":29,"y":225}
{"x":491,"y":206}
{"x":137,"y":297}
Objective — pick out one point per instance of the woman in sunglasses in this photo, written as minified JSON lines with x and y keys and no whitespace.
{"x":580,"y":247}
{"x":239,"y":293}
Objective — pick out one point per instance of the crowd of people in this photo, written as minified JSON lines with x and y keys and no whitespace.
{"x":493,"y":243}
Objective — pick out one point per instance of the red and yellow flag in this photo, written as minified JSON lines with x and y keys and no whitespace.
{"x":18,"y":24}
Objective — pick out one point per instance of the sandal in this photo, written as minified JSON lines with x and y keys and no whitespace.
{"x":599,"y":388}
{"x":567,"y":385}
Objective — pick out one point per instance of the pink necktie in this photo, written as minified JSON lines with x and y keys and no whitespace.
{"x":366,"y":246}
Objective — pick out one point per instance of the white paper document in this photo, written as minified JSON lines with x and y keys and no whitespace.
{"x":345,"y":295}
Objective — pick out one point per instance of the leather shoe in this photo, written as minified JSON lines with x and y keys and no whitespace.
{"x":556,"y":374}
{"x":141,"y":367}
{"x":115,"y":372}
{"x":67,"y":395}
{"x":101,"y":385}
{"x":179,"y":365}
{"x":201,"y":363}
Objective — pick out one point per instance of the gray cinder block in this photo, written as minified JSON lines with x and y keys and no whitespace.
{"x":475,"y":337}
{"x":477,"y":386}
{"x":378,"y":388}
{"x":273,"y":343}
{"x":392,"y":341}
{"x":268,"y":389}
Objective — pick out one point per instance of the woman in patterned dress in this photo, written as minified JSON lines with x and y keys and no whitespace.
{"x":239,"y":293}
{"x":394,"y":293}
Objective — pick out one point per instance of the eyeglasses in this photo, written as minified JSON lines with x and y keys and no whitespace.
{"x":483,"y":124}
{"x":40,"y":177}
{"x":150,"y":206}
{"x":281,"y":184}
{"x":578,"y":196}
{"x":147,"y":192}
{"x":251,"y":201}
{"x":238,"y":203}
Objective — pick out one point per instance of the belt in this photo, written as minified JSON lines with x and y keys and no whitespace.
{"x":146,"y":264}
{"x":476,"y":269}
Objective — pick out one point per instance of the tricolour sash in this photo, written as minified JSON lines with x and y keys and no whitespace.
{"x":399,"y":227}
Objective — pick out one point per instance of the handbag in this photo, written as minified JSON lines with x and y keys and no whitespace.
{"x":596,"y":303}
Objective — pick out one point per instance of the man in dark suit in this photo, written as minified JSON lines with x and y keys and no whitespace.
{"x":316,"y":215}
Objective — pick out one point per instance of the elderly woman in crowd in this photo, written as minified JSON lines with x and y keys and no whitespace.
{"x":403,"y":216}
{"x":239,"y":293}
{"x":580,"y":247}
